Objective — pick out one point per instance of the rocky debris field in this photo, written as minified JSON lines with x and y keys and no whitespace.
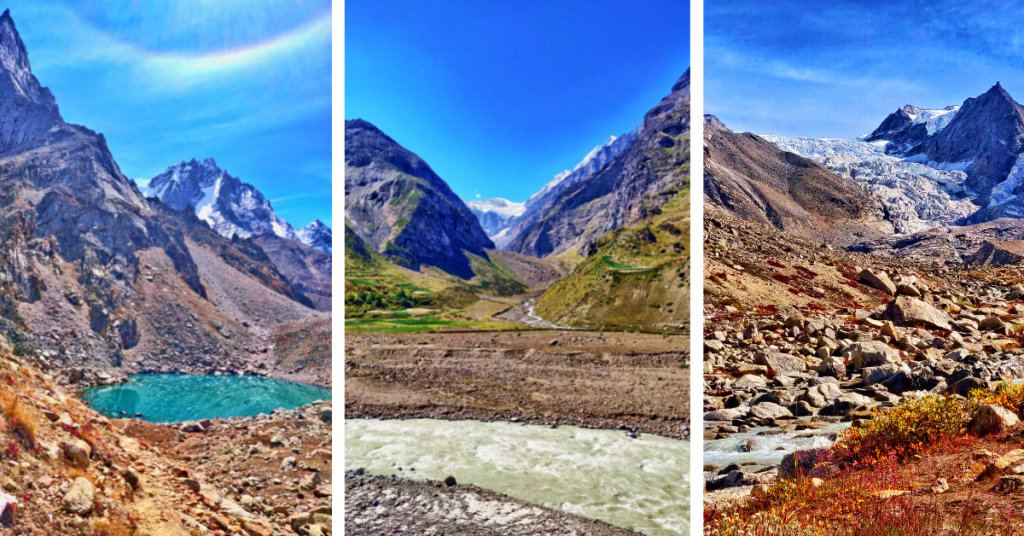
{"x":902,"y":331}
{"x":69,"y":470}
{"x":385,"y":505}
{"x":275,"y":466}
{"x":631,"y":381}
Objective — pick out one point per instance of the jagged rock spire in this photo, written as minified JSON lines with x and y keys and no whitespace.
{"x":14,"y":60}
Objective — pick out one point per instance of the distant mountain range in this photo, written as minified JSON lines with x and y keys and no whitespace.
{"x":230,"y":206}
{"x":960,"y":165}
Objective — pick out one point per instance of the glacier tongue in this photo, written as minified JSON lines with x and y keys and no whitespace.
{"x":915,"y":196}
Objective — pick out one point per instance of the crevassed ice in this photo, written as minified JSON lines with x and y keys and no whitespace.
{"x":1003,"y":192}
{"x":915,"y":196}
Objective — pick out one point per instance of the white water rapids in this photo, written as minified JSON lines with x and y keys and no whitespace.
{"x":639,"y":484}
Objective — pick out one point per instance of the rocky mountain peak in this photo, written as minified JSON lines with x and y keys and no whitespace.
{"x":714,"y":122}
{"x":14,"y":60}
{"x":231,"y":207}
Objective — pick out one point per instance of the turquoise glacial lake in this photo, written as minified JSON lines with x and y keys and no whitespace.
{"x":190,"y":397}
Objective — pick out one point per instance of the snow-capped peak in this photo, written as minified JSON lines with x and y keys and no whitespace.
{"x":594,"y":161}
{"x":230,"y":206}
{"x":498,"y":206}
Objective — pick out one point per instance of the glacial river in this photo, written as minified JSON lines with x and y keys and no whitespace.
{"x":191,"y":397}
{"x":750,"y":447}
{"x":639,"y":484}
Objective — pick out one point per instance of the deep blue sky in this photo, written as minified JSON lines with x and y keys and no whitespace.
{"x":247,"y":82}
{"x":498,"y":97}
{"x":837,"y":68}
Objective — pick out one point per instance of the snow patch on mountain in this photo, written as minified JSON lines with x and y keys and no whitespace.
{"x":497,"y":205}
{"x":230,"y":206}
{"x":915,"y":196}
{"x":596,"y":159}
{"x":935,"y":120}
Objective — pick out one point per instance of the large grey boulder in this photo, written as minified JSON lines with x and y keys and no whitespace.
{"x":724,"y":415}
{"x":782,"y":364}
{"x":769,"y":410}
{"x":821,"y":395}
{"x":871,"y":354}
{"x":908,"y":311}
{"x":749,"y":382}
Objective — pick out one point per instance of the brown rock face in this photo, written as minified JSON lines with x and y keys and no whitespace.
{"x":999,"y":253}
{"x":907,"y":311}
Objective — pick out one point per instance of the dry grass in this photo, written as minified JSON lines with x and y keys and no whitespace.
{"x":17,"y":417}
{"x":74,"y":472}
{"x":106,"y":527}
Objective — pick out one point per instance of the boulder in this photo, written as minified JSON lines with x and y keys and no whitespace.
{"x":769,"y":410}
{"x":782,"y":364}
{"x":724,"y":415}
{"x":871,"y":354}
{"x":965,"y":386}
{"x":1011,"y":462}
{"x":993,"y":419}
{"x":821,"y":395}
{"x":80,"y":498}
{"x":908,"y":311}
{"x":831,"y":366}
{"x":77,"y":451}
{"x":879,"y":280}
{"x":881,"y":373}
{"x":847,"y":402}
{"x":802,"y":462}
{"x":750,"y":383}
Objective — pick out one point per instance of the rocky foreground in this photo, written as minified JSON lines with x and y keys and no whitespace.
{"x":846,"y":334}
{"x":630,"y":381}
{"x":379,"y":505}
{"x":70,"y":470}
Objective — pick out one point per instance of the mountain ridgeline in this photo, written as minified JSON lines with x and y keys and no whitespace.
{"x":231,"y":207}
{"x":397,"y":204}
{"x":635,"y":182}
{"x":753,"y":179}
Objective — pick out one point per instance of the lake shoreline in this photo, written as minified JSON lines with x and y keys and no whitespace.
{"x":168,"y":398}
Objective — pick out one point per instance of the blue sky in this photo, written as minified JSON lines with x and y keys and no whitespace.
{"x":498,"y":97}
{"x":247,"y":82}
{"x":837,"y":68}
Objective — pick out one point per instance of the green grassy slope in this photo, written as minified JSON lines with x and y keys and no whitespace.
{"x":638,"y":278}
